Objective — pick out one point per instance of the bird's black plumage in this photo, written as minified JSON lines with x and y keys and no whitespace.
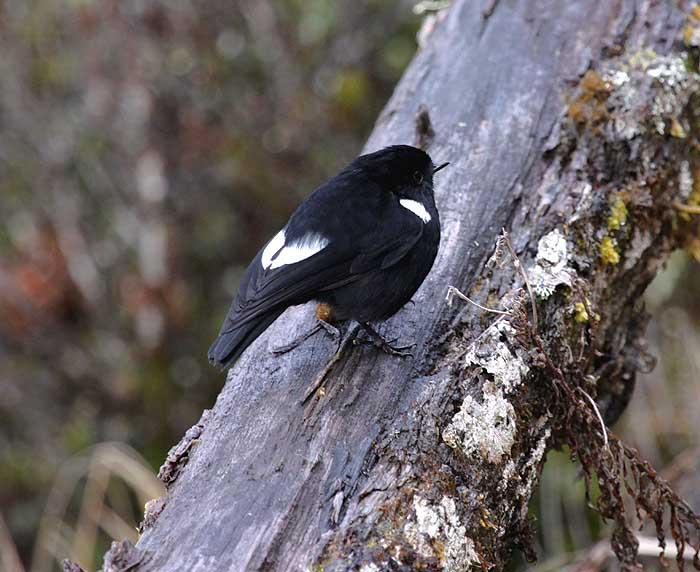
{"x":363,"y":242}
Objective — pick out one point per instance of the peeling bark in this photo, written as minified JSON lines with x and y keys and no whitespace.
{"x":572,"y":124}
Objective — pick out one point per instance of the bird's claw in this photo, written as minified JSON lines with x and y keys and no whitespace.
{"x":400,"y":351}
{"x":387,"y":346}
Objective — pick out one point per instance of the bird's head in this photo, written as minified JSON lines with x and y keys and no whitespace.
{"x":401,"y":169}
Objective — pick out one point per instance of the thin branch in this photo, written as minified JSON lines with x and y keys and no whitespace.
{"x":452,"y":292}
{"x":598,"y":415}
{"x":690,"y":209}
{"x":9,"y":557}
{"x":649,"y":546}
{"x":430,"y":6}
{"x":521,"y":269}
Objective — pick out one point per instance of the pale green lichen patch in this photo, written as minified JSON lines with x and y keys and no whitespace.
{"x":685,"y":183}
{"x":675,"y":83}
{"x":689,"y":183}
{"x":486,"y":429}
{"x":632,"y":83}
{"x":629,"y":114}
{"x":522,"y":471}
{"x":495,"y":356}
{"x":551,"y":265}
{"x":528,"y":473}
{"x":438,"y":532}
{"x":641,"y":240}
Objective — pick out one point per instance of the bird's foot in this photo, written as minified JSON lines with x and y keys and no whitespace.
{"x":387,"y":346}
{"x":330,"y":329}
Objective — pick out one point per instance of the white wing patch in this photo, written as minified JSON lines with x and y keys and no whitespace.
{"x":272,"y":248}
{"x":306,"y":247}
{"x":416,"y":208}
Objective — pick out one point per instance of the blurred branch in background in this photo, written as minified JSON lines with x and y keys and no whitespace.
{"x":108,"y":486}
{"x":599,"y":557}
{"x":9,"y":557}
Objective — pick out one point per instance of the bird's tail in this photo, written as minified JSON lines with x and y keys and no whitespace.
{"x":232,"y":341}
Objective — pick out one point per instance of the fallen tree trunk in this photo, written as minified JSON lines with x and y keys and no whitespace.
{"x":572,"y":124}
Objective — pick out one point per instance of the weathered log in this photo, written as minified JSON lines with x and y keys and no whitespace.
{"x":572,"y":124}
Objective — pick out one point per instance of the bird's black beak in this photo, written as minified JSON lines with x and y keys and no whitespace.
{"x":436,"y":169}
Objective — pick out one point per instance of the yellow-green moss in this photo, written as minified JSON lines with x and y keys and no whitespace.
{"x":581,"y":313}
{"x":608,"y":251}
{"x":618,"y":214}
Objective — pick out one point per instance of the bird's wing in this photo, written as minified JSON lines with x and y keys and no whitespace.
{"x":383,"y":256}
{"x":315,"y":265}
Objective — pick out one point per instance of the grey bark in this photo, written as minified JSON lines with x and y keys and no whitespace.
{"x":429,"y":463}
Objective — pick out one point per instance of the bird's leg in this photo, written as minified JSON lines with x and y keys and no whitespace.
{"x":317,"y":384}
{"x":376,"y":339}
{"x":331,"y":330}
{"x":320,"y":325}
{"x":279,"y":350}
{"x":323,"y":315}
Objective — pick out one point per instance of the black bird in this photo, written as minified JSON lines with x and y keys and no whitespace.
{"x":361,"y":244}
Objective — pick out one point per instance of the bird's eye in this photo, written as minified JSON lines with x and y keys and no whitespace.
{"x":418,"y":177}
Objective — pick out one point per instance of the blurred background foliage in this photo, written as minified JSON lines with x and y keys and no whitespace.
{"x":147,"y":149}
